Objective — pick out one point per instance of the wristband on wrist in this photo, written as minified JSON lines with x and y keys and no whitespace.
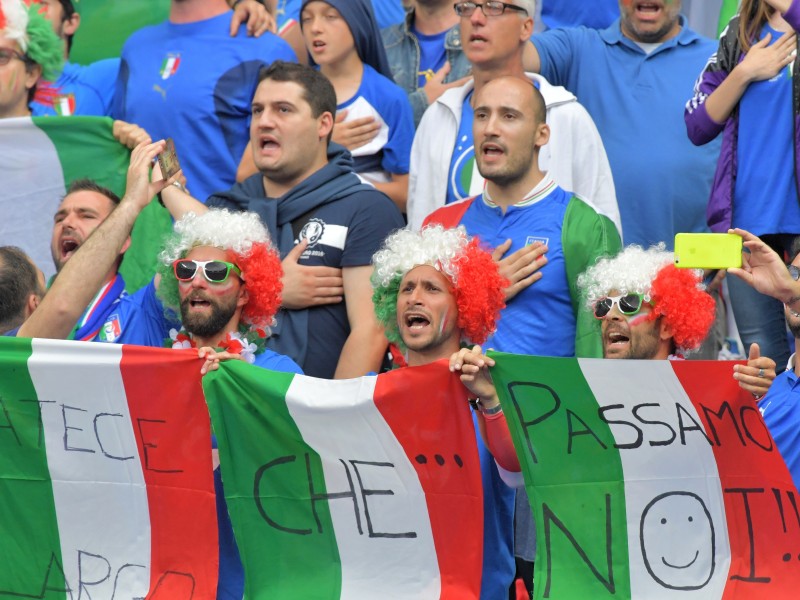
{"x":477,"y":406}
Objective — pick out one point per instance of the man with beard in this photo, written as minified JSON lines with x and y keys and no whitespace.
{"x":435,"y":289}
{"x":651,"y":310}
{"x":219,"y":270}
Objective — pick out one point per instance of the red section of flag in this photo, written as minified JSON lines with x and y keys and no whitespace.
{"x":761,"y":503}
{"x":448,"y":467}
{"x":173,"y":434}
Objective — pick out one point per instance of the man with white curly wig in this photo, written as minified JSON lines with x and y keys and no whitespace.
{"x":650,"y":309}
{"x":435,"y":290}
{"x":218,"y":270}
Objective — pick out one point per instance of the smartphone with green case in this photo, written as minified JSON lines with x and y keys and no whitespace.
{"x":708,"y":250}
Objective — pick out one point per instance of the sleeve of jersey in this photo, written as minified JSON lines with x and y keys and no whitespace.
{"x":142,"y":319}
{"x":700,"y":127}
{"x":371,"y":222}
{"x":586,"y":236}
{"x":557,"y":50}
{"x":400,"y":119}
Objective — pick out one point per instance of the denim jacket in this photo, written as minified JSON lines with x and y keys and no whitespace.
{"x":402,"y":48}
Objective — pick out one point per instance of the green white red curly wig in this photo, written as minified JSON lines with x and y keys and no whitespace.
{"x":23,"y":23}
{"x":475,"y":279}
{"x":677,"y":295}
{"x":246,"y":239}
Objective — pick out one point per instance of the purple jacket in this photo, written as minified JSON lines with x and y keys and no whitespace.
{"x":702,"y":129}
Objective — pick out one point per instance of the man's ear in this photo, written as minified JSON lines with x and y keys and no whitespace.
{"x":126,"y":245}
{"x":33,"y":74}
{"x":542,"y":135}
{"x":31,"y":304}
{"x":665,"y":330}
{"x":244,"y":296}
{"x":324,"y":125}
{"x":71,"y":25}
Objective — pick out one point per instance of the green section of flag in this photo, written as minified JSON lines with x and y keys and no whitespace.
{"x":27,"y":512}
{"x":87,"y":149}
{"x":107,"y":24}
{"x":573,"y":476}
{"x":267,"y":472}
{"x":726,"y":12}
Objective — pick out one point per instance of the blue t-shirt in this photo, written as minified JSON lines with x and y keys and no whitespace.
{"x":463,"y":173}
{"x":432,"y":54}
{"x":637,"y":100}
{"x":780,"y":408}
{"x":765,"y":195}
{"x":597,"y":14}
{"x":231,"y":572}
{"x":82,"y":90}
{"x":193,"y":82}
{"x":540,"y":319}
{"x":388,"y":103}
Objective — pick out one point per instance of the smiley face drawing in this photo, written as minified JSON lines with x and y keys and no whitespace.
{"x":677,"y":539}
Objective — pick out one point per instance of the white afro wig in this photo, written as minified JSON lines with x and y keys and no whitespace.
{"x":630,"y":271}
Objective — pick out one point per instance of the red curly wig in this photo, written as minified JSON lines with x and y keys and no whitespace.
{"x":262,"y":273}
{"x":478,"y":293}
{"x":688,"y":310}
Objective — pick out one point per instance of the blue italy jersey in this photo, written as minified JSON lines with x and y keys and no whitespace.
{"x":82,"y":90}
{"x":138,"y":319}
{"x":384,"y":100}
{"x":193,"y":82}
{"x":540,"y":319}
{"x":781,"y":411}
{"x":463,"y":175}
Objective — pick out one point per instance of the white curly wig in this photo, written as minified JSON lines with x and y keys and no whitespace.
{"x":16,"y":22}
{"x":630,"y":271}
{"x":403,"y":250}
{"x":220,"y":228}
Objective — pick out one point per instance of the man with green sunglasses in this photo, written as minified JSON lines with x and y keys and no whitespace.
{"x":650,"y":310}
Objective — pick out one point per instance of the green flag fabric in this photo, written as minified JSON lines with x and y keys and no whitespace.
{"x":40,"y":157}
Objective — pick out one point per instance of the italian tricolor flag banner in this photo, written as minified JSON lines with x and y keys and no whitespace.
{"x":650,"y":479}
{"x":40,"y":158}
{"x":106,"y":486}
{"x":361,"y":488}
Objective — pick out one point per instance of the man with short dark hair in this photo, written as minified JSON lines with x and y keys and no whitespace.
{"x":22,"y":287}
{"x":326,"y":223}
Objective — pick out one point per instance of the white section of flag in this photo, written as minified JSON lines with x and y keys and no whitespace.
{"x":103,"y":520}
{"x":666,"y":486}
{"x":326,"y":413}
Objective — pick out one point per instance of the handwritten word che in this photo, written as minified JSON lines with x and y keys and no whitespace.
{"x":367,"y":482}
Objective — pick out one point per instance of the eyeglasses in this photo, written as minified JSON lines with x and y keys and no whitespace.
{"x":215,"y":271}
{"x":794,"y":272}
{"x":6,"y":56}
{"x":629,"y":304}
{"x":492,"y":8}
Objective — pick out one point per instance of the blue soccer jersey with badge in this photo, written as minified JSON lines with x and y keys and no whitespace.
{"x":193,"y":82}
{"x":82,"y":90}
{"x":138,"y":319}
